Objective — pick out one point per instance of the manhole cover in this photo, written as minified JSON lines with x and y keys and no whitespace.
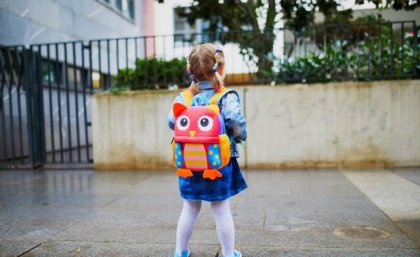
{"x":361,"y":233}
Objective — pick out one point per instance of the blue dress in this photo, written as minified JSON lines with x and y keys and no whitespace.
{"x":232,"y":181}
{"x":197,"y":188}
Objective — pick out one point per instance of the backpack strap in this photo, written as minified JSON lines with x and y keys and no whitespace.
{"x":219,"y":95}
{"x":216,"y":100}
{"x":186,"y":97}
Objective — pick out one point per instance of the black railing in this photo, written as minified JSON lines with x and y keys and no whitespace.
{"x":14,"y":130}
{"x":352,"y":52}
{"x":65,"y":79}
{"x":46,"y":88}
{"x":45,"y":107}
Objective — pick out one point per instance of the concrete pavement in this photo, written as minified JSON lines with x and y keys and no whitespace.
{"x":322,"y":212}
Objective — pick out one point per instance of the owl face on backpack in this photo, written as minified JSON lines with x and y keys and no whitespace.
{"x":199,"y":124}
{"x":200,"y":142}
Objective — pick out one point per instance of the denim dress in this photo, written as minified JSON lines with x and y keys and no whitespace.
{"x":232,"y":181}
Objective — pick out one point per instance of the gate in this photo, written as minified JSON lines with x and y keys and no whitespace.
{"x":45,"y":106}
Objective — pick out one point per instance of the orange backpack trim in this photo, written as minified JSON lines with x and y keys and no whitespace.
{"x":187,"y":97}
{"x":216,"y":98}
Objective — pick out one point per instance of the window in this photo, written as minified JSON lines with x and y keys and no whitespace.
{"x":184,"y":30}
{"x":119,"y":4}
{"x":131,"y":9}
{"x":123,"y":7}
{"x":190,"y":33}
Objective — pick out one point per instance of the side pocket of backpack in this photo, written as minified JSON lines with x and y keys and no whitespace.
{"x":224,"y":149}
{"x":173,"y":151}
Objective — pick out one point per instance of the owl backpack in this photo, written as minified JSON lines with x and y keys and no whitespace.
{"x":200,"y":142}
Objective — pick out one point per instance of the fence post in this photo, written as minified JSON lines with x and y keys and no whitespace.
{"x":27,"y":61}
{"x":38,"y":107}
{"x":416,"y":42}
{"x":34,"y":107}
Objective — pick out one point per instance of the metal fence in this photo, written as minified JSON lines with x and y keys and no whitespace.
{"x":322,"y":53}
{"x":45,"y":107}
{"x":46,"y":88}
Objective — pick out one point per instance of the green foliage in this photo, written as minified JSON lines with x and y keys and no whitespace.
{"x":118,"y":88}
{"x":152,"y":73}
{"x":382,"y":57}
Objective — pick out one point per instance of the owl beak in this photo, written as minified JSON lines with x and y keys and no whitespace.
{"x":192,"y":133}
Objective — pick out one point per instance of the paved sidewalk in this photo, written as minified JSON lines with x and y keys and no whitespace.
{"x":282,"y":213}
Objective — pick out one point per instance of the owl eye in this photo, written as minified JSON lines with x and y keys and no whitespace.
{"x":205,"y":123}
{"x":183,"y":122}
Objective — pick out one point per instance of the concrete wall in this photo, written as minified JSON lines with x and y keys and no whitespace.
{"x":130,"y":130}
{"x":322,"y":125}
{"x":343,"y":124}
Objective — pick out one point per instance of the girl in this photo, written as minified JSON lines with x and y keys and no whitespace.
{"x":206,"y":68}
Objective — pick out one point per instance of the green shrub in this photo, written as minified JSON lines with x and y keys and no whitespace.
{"x":374,"y":59}
{"x":153,"y":73}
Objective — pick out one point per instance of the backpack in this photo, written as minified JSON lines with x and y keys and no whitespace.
{"x":200,"y":141}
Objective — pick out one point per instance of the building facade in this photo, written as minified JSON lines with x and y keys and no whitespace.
{"x":25,"y":22}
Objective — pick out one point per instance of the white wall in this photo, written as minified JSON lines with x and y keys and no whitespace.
{"x":391,"y":14}
{"x":388,"y":14}
{"x":40,"y":21}
{"x":323,"y":125}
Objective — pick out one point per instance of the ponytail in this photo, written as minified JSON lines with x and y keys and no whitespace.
{"x":206,"y":62}
{"x":219,"y":65}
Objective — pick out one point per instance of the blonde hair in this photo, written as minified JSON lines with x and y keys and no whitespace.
{"x":202,"y":61}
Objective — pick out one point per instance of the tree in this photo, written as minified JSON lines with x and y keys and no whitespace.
{"x":252,"y":23}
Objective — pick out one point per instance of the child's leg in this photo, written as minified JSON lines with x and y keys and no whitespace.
{"x":224,"y":226}
{"x":186,"y":224}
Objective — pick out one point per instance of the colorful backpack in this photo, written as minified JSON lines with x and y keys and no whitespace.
{"x":200,"y":142}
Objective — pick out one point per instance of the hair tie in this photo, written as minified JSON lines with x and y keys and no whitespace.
{"x":192,"y":76}
{"x":216,"y":64}
{"x":215,"y":67}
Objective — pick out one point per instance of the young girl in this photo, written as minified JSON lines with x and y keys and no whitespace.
{"x":206,"y":68}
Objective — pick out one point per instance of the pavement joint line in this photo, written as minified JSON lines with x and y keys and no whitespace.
{"x":328,"y":247}
{"x":216,"y":244}
{"x":265,"y":218}
{"x":63,"y":230}
{"x":121,"y":242}
{"x":27,"y":251}
{"x":265,"y":230}
{"x":244,"y":245}
{"x":113,"y":200}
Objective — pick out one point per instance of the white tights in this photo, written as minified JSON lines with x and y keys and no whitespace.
{"x":224,"y":225}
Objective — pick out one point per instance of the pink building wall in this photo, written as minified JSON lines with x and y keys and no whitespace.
{"x":149,"y":26}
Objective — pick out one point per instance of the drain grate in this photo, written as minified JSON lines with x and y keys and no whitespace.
{"x":361,"y":233}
